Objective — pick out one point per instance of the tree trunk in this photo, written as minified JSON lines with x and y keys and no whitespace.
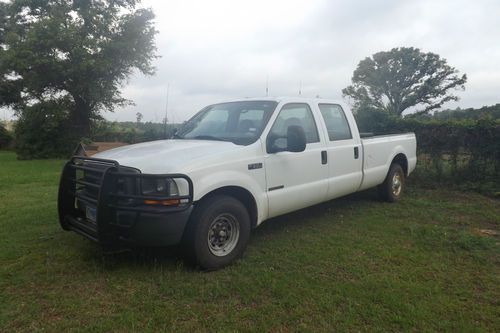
{"x":80,"y":118}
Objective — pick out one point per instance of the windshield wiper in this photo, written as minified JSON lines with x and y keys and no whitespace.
{"x":209,"y":137}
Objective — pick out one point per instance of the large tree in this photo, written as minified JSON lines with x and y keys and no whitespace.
{"x":76,"y":53}
{"x":403,"y":78}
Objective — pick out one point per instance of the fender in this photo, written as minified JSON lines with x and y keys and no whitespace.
{"x":397,"y":150}
{"x":209,"y":182}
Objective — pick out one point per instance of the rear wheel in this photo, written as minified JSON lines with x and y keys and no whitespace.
{"x":219,"y":232}
{"x":392,"y":188}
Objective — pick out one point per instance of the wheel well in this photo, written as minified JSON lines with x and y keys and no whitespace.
{"x":243,"y":195}
{"x":402,"y":161}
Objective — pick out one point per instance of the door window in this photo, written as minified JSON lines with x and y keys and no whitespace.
{"x":294,"y":114}
{"x":336,"y":122}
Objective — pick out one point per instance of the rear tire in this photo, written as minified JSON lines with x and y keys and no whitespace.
{"x":218,"y":232}
{"x":392,"y":188}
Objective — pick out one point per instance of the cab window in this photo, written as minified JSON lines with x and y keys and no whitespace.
{"x":294,"y":114}
{"x":336,"y":122}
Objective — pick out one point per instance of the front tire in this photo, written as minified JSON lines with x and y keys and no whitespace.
{"x":392,"y":188}
{"x":219,"y":232}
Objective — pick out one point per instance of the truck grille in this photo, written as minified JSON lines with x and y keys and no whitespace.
{"x":79,"y":192}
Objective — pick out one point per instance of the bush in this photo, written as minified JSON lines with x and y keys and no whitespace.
{"x":376,"y":121}
{"x":44,"y":131}
{"x":5,"y":137}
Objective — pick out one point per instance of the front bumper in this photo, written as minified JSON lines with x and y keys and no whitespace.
{"x":119,"y":215}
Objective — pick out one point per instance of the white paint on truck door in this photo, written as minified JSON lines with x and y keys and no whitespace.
{"x":295,"y":180}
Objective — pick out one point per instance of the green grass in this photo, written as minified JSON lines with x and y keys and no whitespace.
{"x":353,"y":264}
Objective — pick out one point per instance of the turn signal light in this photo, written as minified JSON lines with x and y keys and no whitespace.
{"x":170,"y":202}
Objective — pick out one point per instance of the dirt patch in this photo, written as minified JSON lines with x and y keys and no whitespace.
{"x":486,"y":232}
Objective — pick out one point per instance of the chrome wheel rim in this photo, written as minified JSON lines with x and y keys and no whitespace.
{"x":223,"y":235}
{"x":397,"y":184}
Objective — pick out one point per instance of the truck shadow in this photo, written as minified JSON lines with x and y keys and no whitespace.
{"x":173,"y":257}
{"x":305,"y":215}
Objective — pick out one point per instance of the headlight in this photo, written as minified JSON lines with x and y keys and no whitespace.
{"x":159,"y":187}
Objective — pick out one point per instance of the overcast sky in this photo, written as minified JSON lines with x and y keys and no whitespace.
{"x":224,"y":49}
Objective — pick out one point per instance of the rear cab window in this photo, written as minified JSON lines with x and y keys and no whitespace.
{"x":335,"y":121}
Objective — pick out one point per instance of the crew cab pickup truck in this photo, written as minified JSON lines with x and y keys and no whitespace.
{"x":229,"y":168}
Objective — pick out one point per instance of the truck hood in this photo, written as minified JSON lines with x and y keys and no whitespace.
{"x":168,"y":156}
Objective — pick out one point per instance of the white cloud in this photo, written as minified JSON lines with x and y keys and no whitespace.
{"x":215,"y":50}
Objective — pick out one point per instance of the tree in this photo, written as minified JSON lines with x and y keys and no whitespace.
{"x":76,"y":53}
{"x":5,"y":137}
{"x":138,"y":117}
{"x":403,"y":78}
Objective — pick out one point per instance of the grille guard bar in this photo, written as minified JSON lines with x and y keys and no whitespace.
{"x":108,"y":201}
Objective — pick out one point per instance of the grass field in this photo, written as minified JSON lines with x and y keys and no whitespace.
{"x":428,"y":263}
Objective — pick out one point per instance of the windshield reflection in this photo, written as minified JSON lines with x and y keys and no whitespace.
{"x":237,"y":122}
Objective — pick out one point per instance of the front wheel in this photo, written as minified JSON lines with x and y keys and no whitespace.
{"x":219,"y":232}
{"x":392,"y":188}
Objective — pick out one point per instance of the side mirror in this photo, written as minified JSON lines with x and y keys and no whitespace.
{"x":296,"y":139}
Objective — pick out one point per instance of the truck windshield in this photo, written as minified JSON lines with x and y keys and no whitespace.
{"x":237,"y":122}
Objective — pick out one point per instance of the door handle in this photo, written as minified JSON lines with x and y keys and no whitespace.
{"x":356,"y":153}
{"x":324,"y":157}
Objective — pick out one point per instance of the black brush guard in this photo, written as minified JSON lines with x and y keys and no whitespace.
{"x":98,"y":189}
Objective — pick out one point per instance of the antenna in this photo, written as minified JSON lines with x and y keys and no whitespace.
{"x":300,"y":87}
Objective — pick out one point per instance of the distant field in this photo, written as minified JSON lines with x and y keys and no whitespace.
{"x":428,"y":263}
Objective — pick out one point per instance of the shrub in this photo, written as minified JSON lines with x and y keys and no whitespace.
{"x":5,"y":137}
{"x":44,"y":131}
{"x":376,"y":121}
{"x":470,"y":150}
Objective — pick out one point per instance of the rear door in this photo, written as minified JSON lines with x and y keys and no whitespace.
{"x":343,"y":150}
{"x":296,"y":180}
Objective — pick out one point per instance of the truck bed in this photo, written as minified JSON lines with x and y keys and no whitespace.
{"x":378,"y":152}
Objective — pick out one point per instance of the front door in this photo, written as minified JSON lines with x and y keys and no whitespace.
{"x":295,"y":180}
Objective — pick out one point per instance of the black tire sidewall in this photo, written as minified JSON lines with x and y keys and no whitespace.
{"x":388,"y":194}
{"x":203,"y":217}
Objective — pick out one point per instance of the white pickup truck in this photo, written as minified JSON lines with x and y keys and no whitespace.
{"x":229,"y":168}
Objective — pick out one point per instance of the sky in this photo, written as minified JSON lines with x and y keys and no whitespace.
{"x":217,"y":50}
